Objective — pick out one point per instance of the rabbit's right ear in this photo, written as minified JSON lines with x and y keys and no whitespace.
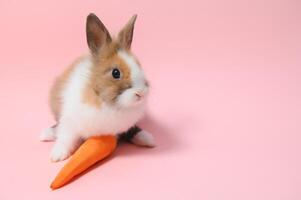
{"x":97,"y":34}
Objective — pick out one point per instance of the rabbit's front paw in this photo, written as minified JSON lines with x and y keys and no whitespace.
{"x":47,"y":134}
{"x":59,"y":153}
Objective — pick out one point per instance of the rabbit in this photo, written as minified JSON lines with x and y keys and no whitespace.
{"x":104,"y":92}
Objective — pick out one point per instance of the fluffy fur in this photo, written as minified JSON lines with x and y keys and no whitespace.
{"x":87,"y":101}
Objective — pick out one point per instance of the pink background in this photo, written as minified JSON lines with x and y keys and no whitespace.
{"x":225,"y":104}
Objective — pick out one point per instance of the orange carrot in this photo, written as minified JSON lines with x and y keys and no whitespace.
{"x":91,"y":151}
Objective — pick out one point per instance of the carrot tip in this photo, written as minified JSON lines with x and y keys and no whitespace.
{"x":90,"y":152}
{"x":53,"y":187}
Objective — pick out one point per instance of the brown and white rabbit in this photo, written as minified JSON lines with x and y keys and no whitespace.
{"x":104,"y":92}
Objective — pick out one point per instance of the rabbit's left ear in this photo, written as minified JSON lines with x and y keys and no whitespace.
{"x":97,"y":34}
{"x":125,"y":36}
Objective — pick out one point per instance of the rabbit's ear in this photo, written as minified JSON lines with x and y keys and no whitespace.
{"x":125,"y":36}
{"x":97,"y":34}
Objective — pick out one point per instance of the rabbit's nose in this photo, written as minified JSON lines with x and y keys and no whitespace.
{"x":139,"y":94}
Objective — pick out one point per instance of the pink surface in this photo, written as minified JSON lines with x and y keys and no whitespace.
{"x":225,"y":104}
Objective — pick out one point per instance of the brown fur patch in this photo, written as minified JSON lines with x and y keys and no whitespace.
{"x":102,"y":87}
{"x":55,"y":98}
{"x":125,"y":36}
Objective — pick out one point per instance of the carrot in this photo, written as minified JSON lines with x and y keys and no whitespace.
{"x":91,"y":151}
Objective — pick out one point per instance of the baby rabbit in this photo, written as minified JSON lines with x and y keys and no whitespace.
{"x":102,"y":93}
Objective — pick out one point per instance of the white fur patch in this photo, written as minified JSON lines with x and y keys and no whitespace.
{"x":137,"y":75}
{"x":129,"y":96}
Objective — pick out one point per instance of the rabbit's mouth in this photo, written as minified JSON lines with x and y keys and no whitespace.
{"x":131,"y":97}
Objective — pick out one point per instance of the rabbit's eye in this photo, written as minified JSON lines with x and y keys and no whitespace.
{"x":116,"y":73}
